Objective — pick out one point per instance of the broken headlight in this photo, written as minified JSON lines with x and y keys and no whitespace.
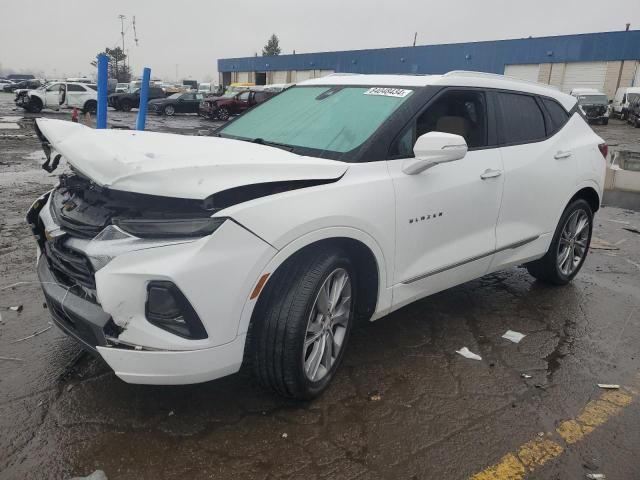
{"x":169,"y":227}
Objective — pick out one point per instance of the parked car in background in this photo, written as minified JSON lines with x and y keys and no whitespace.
{"x":23,"y":85}
{"x":122,"y":88}
{"x":190,"y":84}
{"x":178,"y":259}
{"x":127,"y":101}
{"x":624,"y":97}
{"x":633,"y":112}
{"x":231,"y":103}
{"x":5,"y":83}
{"x":57,"y":95}
{"x":85,"y":80}
{"x":593,"y":104}
{"x":177,"y":103}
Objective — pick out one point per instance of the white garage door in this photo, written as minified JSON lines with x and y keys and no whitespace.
{"x":584,"y":75}
{"x":527,"y":72}
{"x":302,"y":75}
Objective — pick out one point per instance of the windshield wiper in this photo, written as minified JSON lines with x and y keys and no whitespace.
{"x":262,"y":141}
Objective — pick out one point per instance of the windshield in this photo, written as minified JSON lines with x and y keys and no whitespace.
{"x":334,"y":119}
{"x":592,"y":99}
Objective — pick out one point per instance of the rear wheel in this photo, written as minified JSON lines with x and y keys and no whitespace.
{"x":302,"y":326}
{"x":605,"y":121}
{"x":569,"y":246}
{"x":91,"y":107}
{"x":169,"y":110}
{"x":126,"y":105}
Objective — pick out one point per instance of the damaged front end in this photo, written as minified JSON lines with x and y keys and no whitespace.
{"x":80,"y":227}
{"x":595,"y":112}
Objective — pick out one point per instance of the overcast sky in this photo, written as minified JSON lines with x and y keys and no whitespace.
{"x":60,"y":37}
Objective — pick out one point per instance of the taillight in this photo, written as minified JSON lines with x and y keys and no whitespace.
{"x":604,"y":149}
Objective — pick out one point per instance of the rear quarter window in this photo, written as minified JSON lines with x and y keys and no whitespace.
{"x":557,"y":114}
{"x":522,"y":120}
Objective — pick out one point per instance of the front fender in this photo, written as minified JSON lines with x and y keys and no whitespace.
{"x":384,"y":291}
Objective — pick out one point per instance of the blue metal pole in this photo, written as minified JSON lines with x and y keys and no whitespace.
{"x":144,"y":98}
{"x":103,"y":80}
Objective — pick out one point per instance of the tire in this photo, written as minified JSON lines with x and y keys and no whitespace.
{"x":283,"y":339}
{"x":169,"y":110}
{"x":91,"y":106}
{"x":125,"y":106}
{"x":605,"y":121}
{"x":35,"y":105}
{"x":223,"y":114}
{"x":550,"y":267}
{"x":636,"y":123}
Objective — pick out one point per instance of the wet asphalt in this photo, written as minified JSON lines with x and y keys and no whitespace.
{"x":403,"y":406}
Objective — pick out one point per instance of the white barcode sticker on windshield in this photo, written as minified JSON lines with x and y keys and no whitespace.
{"x":388,"y":92}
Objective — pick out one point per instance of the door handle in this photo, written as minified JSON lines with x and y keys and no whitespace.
{"x":489,"y":173}
{"x":560,"y":154}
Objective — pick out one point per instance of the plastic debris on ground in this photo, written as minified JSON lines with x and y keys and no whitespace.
{"x":515,"y":337}
{"x":375,"y":397}
{"x":97,"y":475}
{"x":17,"y":308}
{"x":525,"y":375}
{"x":599,"y":244}
{"x":596,"y":476}
{"x":465,"y":352}
{"x":609,"y":386}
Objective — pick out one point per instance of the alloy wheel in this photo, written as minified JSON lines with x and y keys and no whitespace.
{"x":573,"y":243}
{"x":327,"y":325}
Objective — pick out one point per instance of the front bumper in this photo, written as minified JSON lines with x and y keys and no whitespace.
{"x":79,"y":318}
{"x":23,"y":101}
{"x":87,"y":323}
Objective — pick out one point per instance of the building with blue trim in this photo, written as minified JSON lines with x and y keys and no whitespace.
{"x":606,"y":61}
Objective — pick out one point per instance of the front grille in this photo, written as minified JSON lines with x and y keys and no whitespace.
{"x":68,"y":266}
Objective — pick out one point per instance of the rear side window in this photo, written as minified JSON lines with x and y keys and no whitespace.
{"x":557,"y":113}
{"x":75,"y":88}
{"x":522,"y":119}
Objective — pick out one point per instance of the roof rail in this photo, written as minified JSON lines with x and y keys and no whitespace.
{"x":497,"y":76}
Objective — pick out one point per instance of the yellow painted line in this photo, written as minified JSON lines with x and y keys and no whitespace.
{"x":535,"y":453}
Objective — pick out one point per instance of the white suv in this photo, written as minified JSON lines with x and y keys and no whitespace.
{"x":180,"y":258}
{"x":57,"y":95}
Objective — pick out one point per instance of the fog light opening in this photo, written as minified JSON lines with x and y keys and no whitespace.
{"x":169,"y":309}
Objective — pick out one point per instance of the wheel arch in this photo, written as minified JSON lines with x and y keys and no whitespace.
{"x":372,"y":295}
{"x":590,"y":194}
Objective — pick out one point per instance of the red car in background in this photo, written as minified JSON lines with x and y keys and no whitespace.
{"x":233,"y":102}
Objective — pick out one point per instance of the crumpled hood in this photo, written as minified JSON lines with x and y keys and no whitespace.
{"x":177,"y":165}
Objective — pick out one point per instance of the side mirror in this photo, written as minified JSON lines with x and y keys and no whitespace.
{"x":433,"y":148}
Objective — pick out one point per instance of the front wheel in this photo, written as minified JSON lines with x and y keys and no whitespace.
{"x":223,"y":114}
{"x":169,"y":110}
{"x":569,"y":246}
{"x":35,"y":106}
{"x":304,"y":317}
